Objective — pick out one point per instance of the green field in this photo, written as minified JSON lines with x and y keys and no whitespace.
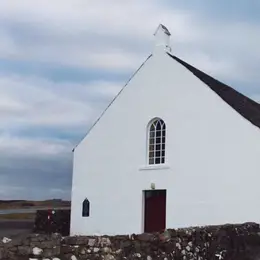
{"x":17,"y":216}
{"x":20,"y":204}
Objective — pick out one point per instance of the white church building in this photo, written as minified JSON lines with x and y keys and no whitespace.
{"x":175,"y":148}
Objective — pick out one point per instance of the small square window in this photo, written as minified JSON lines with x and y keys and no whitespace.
{"x":152,"y":134}
{"x":157,"y":160}
{"x":151,"y":161}
{"x":152,"y":141}
{"x":159,"y":134}
{"x":151,"y":148}
{"x":158,"y":153}
{"x":158,"y":140}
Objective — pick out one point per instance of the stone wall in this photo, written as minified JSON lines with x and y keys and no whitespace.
{"x":52,"y":221}
{"x":238,"y":242}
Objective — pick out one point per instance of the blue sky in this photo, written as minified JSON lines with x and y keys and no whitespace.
{"x":63,"y":61}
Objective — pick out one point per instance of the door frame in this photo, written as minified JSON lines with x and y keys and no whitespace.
{"x":143,"y":207}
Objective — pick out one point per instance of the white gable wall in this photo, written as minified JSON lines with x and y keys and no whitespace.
{"x":211,"y":151}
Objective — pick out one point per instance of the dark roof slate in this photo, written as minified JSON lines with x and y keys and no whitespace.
{"x":245,"y":106}
{"x":166,"y":30}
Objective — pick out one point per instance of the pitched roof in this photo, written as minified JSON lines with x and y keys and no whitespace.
{"x":245,"y":106}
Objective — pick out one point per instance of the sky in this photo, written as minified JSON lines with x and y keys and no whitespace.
{"x":63,"y":61}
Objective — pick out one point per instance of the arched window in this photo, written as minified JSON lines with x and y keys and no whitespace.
{"x":156,"y":140}
{"x":85,"y":208}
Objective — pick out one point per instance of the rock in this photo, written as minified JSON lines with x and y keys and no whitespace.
{"x":26,"y":242}
{"x":1,"y":253}
{"x":82,"y":240}
{"x":65,"y":249}
{"x":36,"y":244}
{"x":6,"y":240}
{"x":119,"y":251}
{"x":188,"y":248}
{"x":83,"y":251}
{"x":106,"y":250}
{"x":145,"y":237}
{"x":165,"y":236}
{"x":73,"y":257}
{"x":47,"y":252}
{"x":132,"y":236}
{"x":56,"y":250}
{"x":105,"y":241}
{"x":96,"y":249}
{"x":109,"y":257}
{"x":23,"y":250}
{"x":47,"y":244}
{"x":178,"y":245}
{"x":125,"y":244}
{"x":37,"y":251}
{"x":71,"y":240}
{"x":35,"y":238}
{"x":91,"y":242}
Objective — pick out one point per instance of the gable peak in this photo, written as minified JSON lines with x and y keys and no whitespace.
{"x":162,"y":38}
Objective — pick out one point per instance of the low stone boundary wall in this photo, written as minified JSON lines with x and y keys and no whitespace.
{"x":52,"y":221}
{"x":238,"y":242}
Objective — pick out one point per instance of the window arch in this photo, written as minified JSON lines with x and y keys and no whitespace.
{"x":156,"y":141}
{"x":85,"y":208}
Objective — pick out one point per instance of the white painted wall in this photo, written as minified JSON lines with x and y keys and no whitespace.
{"x":212,"y":154}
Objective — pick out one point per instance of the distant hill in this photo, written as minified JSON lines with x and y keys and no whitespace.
{"x":12,"y":204}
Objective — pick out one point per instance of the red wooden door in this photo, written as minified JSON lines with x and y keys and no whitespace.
{"x":154,"y":210}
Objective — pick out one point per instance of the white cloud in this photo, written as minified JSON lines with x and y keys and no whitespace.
{"x":106,"y":36}
{"x":32,"y":104}
{"x":9,"y":105}
{"x":36,"y":102}
{"x":90,"y":34}
{"x":60,"y":192}
{"x":117,"y":35}
{"x":5,"y":192}
{"x":21,"y":146}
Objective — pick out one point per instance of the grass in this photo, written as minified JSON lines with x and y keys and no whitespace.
{"x":17,"y":216}
{"x":18,"y":204}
